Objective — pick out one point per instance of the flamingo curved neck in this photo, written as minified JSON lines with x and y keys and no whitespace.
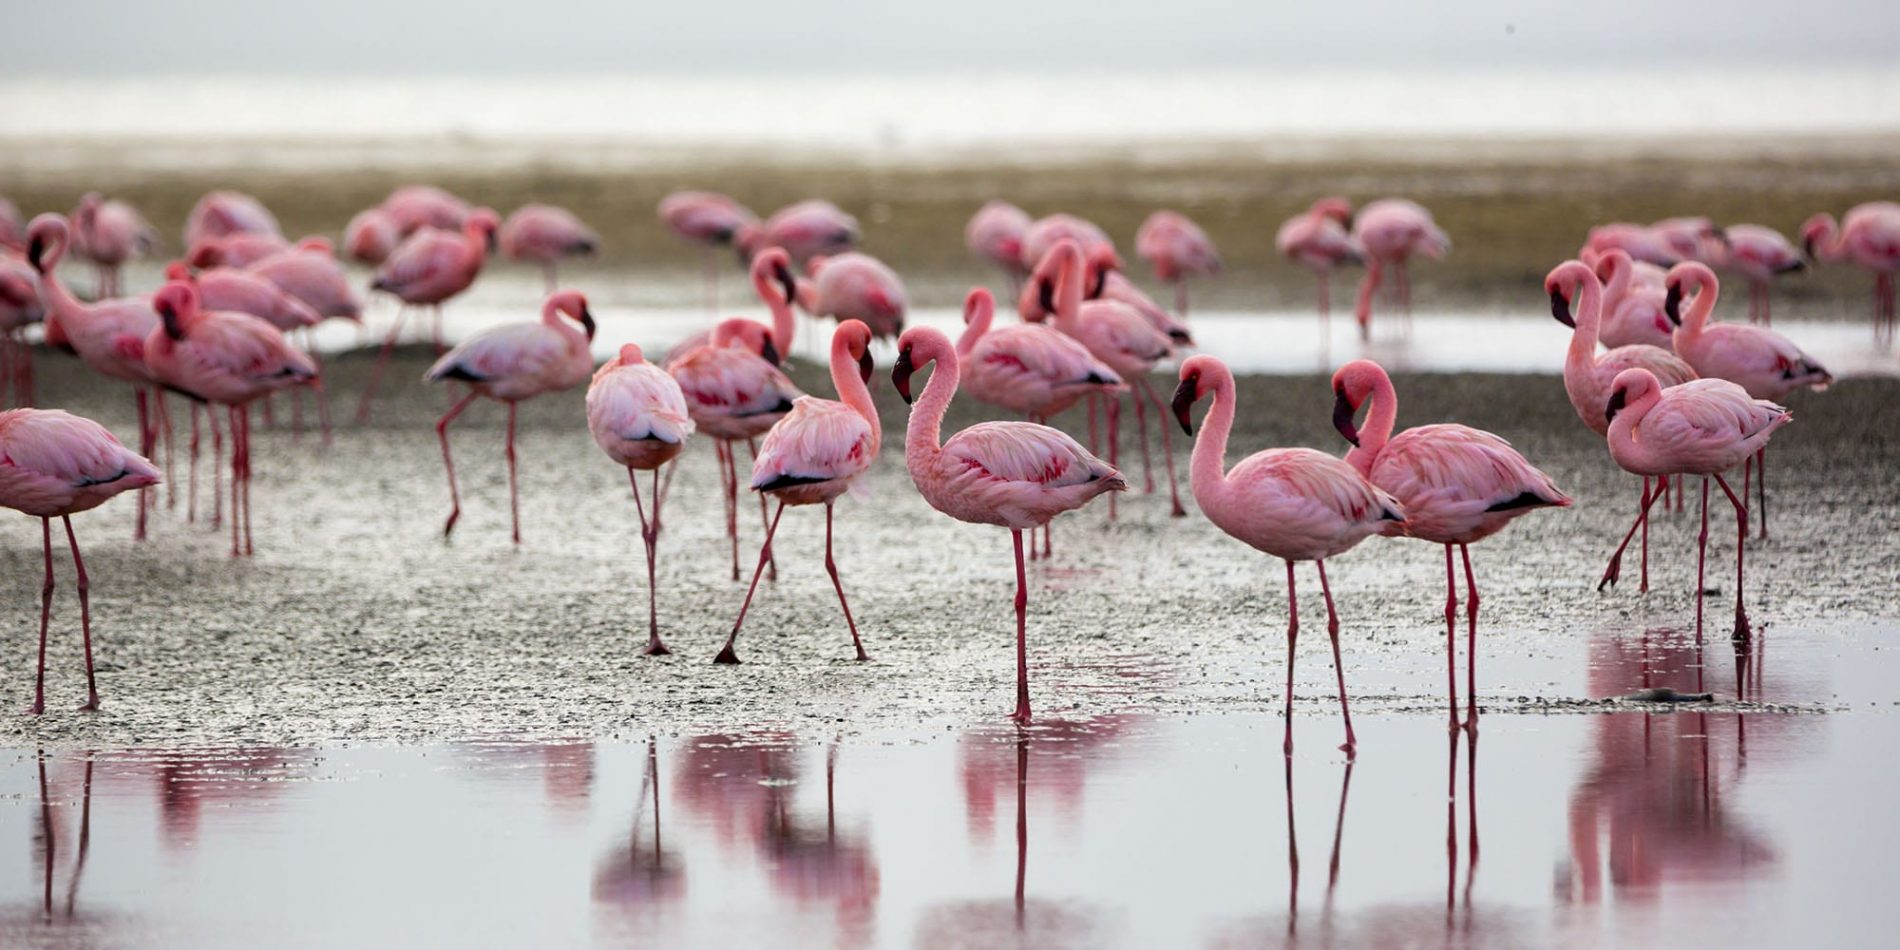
{"x":1696,"y":319}
{"x":1622,"y":428}
{"x":784,"y":321}
{"x":64,"y":304}
{"x":923,"y":436}
{"x":979,"y":324}
{"x":1207,"y":470}
{"x":851,"y":389}
{"x":1621,"y":273}
{"x":1069,"y":277}
{"x":1380,"y":418}
{"x":1589,"y":320}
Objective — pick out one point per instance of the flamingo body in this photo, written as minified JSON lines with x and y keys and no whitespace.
{"x":995,"y":234}
{"x":239,"y":249}
{"x":1027,"y":368}
{"x":805,"y":230}
{"x":855,"y":286}
{"x":415,"y":207}
{"x":310,"y":273}
{"x":371,"y":235}
{"x":545,"y":234}
{"x":53,"y":463}
{"x":705,"y":217}
{"x":432,"y":265}
{"x":221,"y":213}
{"x":636,"y":411}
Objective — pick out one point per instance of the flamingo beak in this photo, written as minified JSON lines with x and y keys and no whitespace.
{"x":37,"y":249}
{"x":1046,"y":295}
{"x":769,"y":352}
{"x":491,"y":242}
{"x":168,"y":315}
{"x":1672,"y":304}
{"x":1183,"y":401}
{"x":1807,"y":247}
{"x":785,"y":280}
{"x":900,"y":374}
{"x":1618,"y":400}
{"x":865,"y":367}
{"x":1560,"y":308}
{"x":1342,"y":417}
{"x":587,"y":323}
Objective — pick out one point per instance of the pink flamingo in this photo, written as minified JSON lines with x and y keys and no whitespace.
{"x":1639,"y":242}
{"x":1588,"y":376}
{"x":995,"y":235}
{"x":226,"y":358}
{"x":53,"y":464}
{"x":1120,"y":338}
{"x":1293,"y":504}
{"x":108,"y":335}
{"x":1320,"y":240}
{"x":222,"y":213}
{"x":1045,"y":233}
{"x":310,"y":272}
{"x":544,"y":234}
{"x":711,"y":219}
{"x":637,"y":415}
{"x":1028,"y":368}
{"x":805,"y":230}
{"x":1761,"y":254}
{"x":1017,"y":475}
{"x":429,"y":267}
{"x":1693,"y":238}
{"x":773,"y":281}
{"x":20,"y":307}
{"x":225,"y":288}
{"x":1632,"y":302}
{"x":109,"y":233}
{"x":1703,"y":427}
{"x":1457,"y":485}
{"x":1105,"y":281}
{"x":734,"y":393}
{"x":371,"y":236}
{"x":234,"y":250}
{"x":1764,"y":363}
{"x":1869,"y":236}
{"x":425,"y":206}
{"x":1390,"y":231}
{"x":813,"y":455}
{"x":1177,"y":248}
{"x":510,"y":363}
{"x":855,"y":286}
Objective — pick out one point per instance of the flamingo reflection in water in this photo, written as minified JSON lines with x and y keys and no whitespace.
{"x":637,"y":876}
{"x":60,"y":846}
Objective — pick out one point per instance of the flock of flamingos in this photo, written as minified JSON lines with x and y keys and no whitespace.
{"x":1673,"y":393}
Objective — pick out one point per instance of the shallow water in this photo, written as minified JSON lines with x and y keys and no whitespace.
{"x":1739,"y":827}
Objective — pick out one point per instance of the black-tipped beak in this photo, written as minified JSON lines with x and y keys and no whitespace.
{"x":1183,"y":401}
{"x":1793,"y":267}
{"x":587,"y":323}
{"x":1617,"y":400}
{"x":169,"y":317}
{"x":35,"y":250}
{"x":1807,"y":248}
{"x":1350,"y":218}
{"x":1343,"y":410}
{"x":900,"y":374}
{"x":1560,"y":308}
{"x":1046,"y":295}
{"x":865,"y":367}
{"x":1101,"y":283}
{"x":769,"y":352}
{"x":785,"y":280}
{"x":1672,"y":304}
{"x":492,"y":242}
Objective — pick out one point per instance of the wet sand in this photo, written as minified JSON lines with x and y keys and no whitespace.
{"x":357,"y":624}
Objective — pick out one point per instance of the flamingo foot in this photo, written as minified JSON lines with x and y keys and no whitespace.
{"x":727,"y":656}
{"x":448,"y":527}
{"x":863,"y":657}
{"x":1611,"y":573}
{"x":36,"y":708}
{"x":1351,"y":748}
{"x":656,"y":648}
{"x":1178,"y":512}
{"x":1741,"y":634}
{"x":90,"y":705}
{"x":1020,"y":716}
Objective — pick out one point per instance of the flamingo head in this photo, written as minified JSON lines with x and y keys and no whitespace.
{"x":46,"y":239}
{"x":749,"y":334}
{"x":1101,"y":259}
{"x":485,"y":224}
{"x":1337,"y":208}
{"x":630,"y":355}
{"x":178,"y":270}
{"x":977,"y":304}
{"x":917,"y":348}
{"x":1629,"y":387}
{"x":854,"y":337}
{"x":1351,"y":385}
{"x":774,"y":264}
{"x":1816,"y":231}
{"x":176,"y":303}
{"x":1562,"y":284}
{"x":206,"y":253}
{"x":1696,"y":275}
{"x":574,"y":304}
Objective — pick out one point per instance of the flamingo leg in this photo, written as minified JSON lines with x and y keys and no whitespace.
{"x":1643,"y":515}
{"x":382,"y":363}
{"x":164,"y":423}
{"x":1292,"y":636}
{"x":270,"y":413}
{"x":712,"y":281}
{"x":1741,"y":543}
{"x":1094,"y":437}
{"x":191,"y":492}
{"x":1141,"y":430}
{"x":831,"y":567}
{"x":1761,"y":487}
{"x":1471,"y":643}
{"x":244,"y":415}
{"x":1047,"y":551}
{"x":85,"y":614}
{"x":723,"y":448}
{"x":1167,"y":448}
{"x":46,"y":614}
{"x":145,"y":449}
{"x":514,"y":491}
{"x":1021,"y":715}
{"x":1339,"y":669}
{"x":1368,"y":286}
{"x":1615,"y":569}
{"x":727,"y":655}
{"x":648,"y":537}
{"x":237,"y":478}
{"x":1702,"y":556}
{"x":771,"y":561}
{"x":1114,"y":444}
{"x":1181,"y":297}
{"x":448,"y":461}
{"x":1325,"y":317}
{"x":1451,"y":642}
{"x":217,"y":467}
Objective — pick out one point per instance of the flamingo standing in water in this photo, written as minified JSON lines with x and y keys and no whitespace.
{"x":1293,"y":504}
{"x":1764,"y":363}
{"x":55,"y":465}
{"x":1703,"y":427}
{"x":225,"y":288}
{"x":371,"y":235}
{"x":1589,"y":374}
{"x":1457,"y":485}
{"x":510,"y":363}
{"x":805,"y":230}
{"x":1761,"y":254}
{"x":1017,"y":475}
{"x":426,"y":206}
{"x":734,"y":393}
{"x":429,"y":267}
{"x":230,"y":359}
{"x":1868,"y":236}
{"x":854,"y":286}
{"x":1632,"y":302}
{"x":221,"y":213}
{"x":1390,"y":232}
{"x":995,"y":235}
{"x":544,"y":234}
{"x":110,"y":233}
{"x":20,"y":307}
{"x":708,"y":218}
{"x":637,"y":415}
{"x":812,"y":456}
{"x":1693,"y":238}
{"x":1320,"y":240}
{"x":1105,"y":281}
{"x":1177,"y":248}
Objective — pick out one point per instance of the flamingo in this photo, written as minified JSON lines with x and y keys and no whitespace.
{"x":109,"y":233}
{"x":773,"y":281}
{"x":371,"y":235}
{"x":813,"y":455}
{"x":309,"y":271}
{"x":53,"y":464}
{"x":637,"y":415}
{"x":225,"y":358}
{"x":1694,"y":238}
{"x":805,"y":230}
{"x":1764,"y":363}
{"x":1017,"y":475}
{"x":995,"y":235}
{"x":1045,"y":233}
{"x":20,"y":307}
{"x":225,"y":288}
{"x":108,"y":335}
{"x":1589,"y":374}
{"x":222,"y":213}
{"x":1457,"y":485}
{"x":1389,"y":232}
{"x":1868,"y":236}
{"x":1107,"y":282}
{"x":1177,"y":248}
{"x":1632,"y":302}
{"x":1028,"y":368}
{"x":509,"y":363}
{"x":234,"y":250}
{"x":855,"y":286}
{"x":1638,"y":241}
{"x":1761,"y":254}
{"x":427,"y":268}
{"x":544,"y":234}
{"x":1293,"y":504}
{"x":426,"y":206}
{"x":708,"y":218}
{"x":1703,"y":427}
{"x":734,"y":393}
{"x":1320,"y":239}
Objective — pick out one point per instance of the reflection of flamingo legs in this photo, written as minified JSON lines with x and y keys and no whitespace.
{"x":1022,"y":816}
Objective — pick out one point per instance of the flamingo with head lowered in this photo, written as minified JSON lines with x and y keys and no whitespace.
{"x":429,"y":267}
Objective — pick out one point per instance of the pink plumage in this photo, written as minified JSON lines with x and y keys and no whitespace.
{"x":1638,"y":241}
{"x":432,"y":265}
{"x":705,"y":217}
{"x":109,"y":335}
{"x":773,"y":281}
{"x":312,"y":274}
{"x":223,"y":288}
{"x":855,"y":286}
{"x":1319,"y":239}
{"x":995,"y":235}
{"x":1026,"y":368}
{"x":241,"y":249}
{"x":1763,"y":362}
{"x":1690,"y":238}
{"x":221,"y":213}
{"x":805,"y":230}
{"x":415,"y":207}
{"x":1869,"y":237}
{"x":544,"y":234}
{"x":1177,"y":249}
{"x":371,"y":235}
{"x":1390,"y":232}
{"x":1633,"y":300}
{"x":1045,"y":233}
{"x":110,"y":233}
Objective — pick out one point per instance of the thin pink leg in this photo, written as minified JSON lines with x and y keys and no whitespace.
{"x":831,"y":567}
{"x":163,"y":416}
{"x":244,"y":416}
{"x":191,"y":492}
{"x":1741,"y":545}
{"x":1141,"y":429}
{"x":448,"y":461}
{"x":1047,"y":549}
{"x":1292,"y":636}
{"x":1114,"y":444}
{"x":382,"y":363}
{"x":1095,"y":439}
{"x":648,"y":540}
{"x":1339,"y":669}
{"x":1021,"y":715}
{"x":217,"y":467}
{"x":1451,"y":641}
{"x":1615,"y":569}
{"x":712,"y":281}
{"x":1181,"y":298}
{"x":1643,"y":513}
{"x":514,"y":491}
{"x":1368,"y":287}
{"x":1471,"y":643}
{"x":1701,"y":561}
{"x":771,"y":560}
{"x":729,"y":496}
{"x":237,"y":479}
{"x":145,"y":449}
{"x":1325,"y":318}
{"x":728,"y":655}
{"x":85,"y":615}
{"x":1167,"y":450}
{"x":1761,"y":487}
{"x":46,"y":615}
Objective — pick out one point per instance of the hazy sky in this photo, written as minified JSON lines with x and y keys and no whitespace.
{"x":87,"y":37}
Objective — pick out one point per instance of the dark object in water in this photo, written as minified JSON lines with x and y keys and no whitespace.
{"x":1663,"y":694}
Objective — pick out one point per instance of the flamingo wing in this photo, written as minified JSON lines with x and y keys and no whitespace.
{"x":1024,"y":452}
{"x":637,"y":402}
{"x":519,"y":349}
{"x":818,"y":441}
